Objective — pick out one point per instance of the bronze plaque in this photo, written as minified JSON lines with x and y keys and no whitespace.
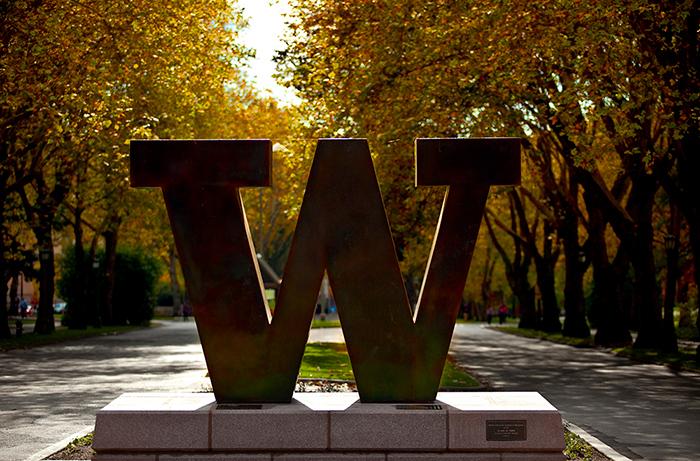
{"x":506,"y":430}
{"x":419,"y":406}
{"x":242,"y":406}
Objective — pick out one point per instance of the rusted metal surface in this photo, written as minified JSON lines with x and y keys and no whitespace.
{"x":248,"y":359}
{"x":342,"y":228}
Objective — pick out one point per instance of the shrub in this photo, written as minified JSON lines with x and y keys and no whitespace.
{"x":136,"y":274}
{"x":164,"y":295}
{"x":133,"y":297}
{"x":69,"y":285}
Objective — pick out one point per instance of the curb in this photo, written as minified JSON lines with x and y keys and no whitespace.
{"x":595,"y":442}
{"x":38,"y":456}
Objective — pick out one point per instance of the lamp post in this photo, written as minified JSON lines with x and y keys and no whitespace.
{"x":96,"y":317}
{"x":44,"y":316}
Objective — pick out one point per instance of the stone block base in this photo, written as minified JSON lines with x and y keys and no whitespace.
{"x":472,"y":426}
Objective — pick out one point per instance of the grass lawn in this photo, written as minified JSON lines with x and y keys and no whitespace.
{"x":688,"y":333}
{"x":553,"y":337}
{"x":577,"y":449}
{"x":315,"y":324}
{"x":509,"y":321}
{"x":26,"y":321}
{"x":681,"y":360}
{"x":331,"y":361}
{"x":326,"y":361}
{"x":168,"y":317}
{"x":29,"y":339}
{"x":325,"y":323}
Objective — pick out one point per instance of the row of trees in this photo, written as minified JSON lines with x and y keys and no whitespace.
{"x":77,"y":81}
{"x":605,"y":96}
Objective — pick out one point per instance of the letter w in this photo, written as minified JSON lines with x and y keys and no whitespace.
{"x":252,"y":356}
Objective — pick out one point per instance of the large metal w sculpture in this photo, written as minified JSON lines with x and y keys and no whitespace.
{"x":397,"y":355}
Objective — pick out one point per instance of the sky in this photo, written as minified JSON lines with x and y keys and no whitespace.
{"x":266,"y":26}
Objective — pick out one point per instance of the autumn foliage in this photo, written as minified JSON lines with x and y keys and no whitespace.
{"x":604,"y":94}
{"x":605,"y":97}
{"x":78,"y":80}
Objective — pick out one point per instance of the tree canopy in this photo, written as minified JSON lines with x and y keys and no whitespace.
{"x":605,"y":225}
{"x":79,"y":79}
{"x":604,"y":93}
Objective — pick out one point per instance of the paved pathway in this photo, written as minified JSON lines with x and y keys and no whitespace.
{"x":643,"y":411}
{"x":326,"y":335}
{"x":51,"y":392}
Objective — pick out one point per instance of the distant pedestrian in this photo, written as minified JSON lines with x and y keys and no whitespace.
{"x":23,"y":306}
{"x":489,"y":315}
{"x":502,"y":314}
{"x":186,"y":311}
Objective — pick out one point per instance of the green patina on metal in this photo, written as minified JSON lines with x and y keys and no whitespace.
{"x":396,"y":355}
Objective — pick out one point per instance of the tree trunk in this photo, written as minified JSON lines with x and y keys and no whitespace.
{"x":4,"y":325}
{"x":670,"y":340}
{"x":688,"y":167}
{"x":92,"y":293}
{"x":77,"y":318}
{"x":550,"y":307}
{"x":108,"y":313}
{"x":485,"y":288}
{"x":14,"y":302}
{"x":517,"y":275}
{"x":684,"y":317}
{"x":575,"y":324}
{"x":45,"y":321}
{"x":528,"y":309}
{"x":544,"y":269}
{"x":695,"y":247}
{"x":607,"y":306}
{"x":4,"y":277}
{"x":602,"y":312}
{"x":42,"y":216}
{"x":612,"y":330}
{"x":646,"y":295}
{"x":545,"y":281}
{"x":174,"y":283}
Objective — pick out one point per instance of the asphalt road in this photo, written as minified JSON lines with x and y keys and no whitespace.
{"x":642,"y":411}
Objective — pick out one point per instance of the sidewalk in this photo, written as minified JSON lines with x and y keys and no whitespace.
{"x":642,"y":411}
{"x":51,"y":392}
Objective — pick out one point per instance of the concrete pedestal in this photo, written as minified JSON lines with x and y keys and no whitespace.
{"x":474,"y":426}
